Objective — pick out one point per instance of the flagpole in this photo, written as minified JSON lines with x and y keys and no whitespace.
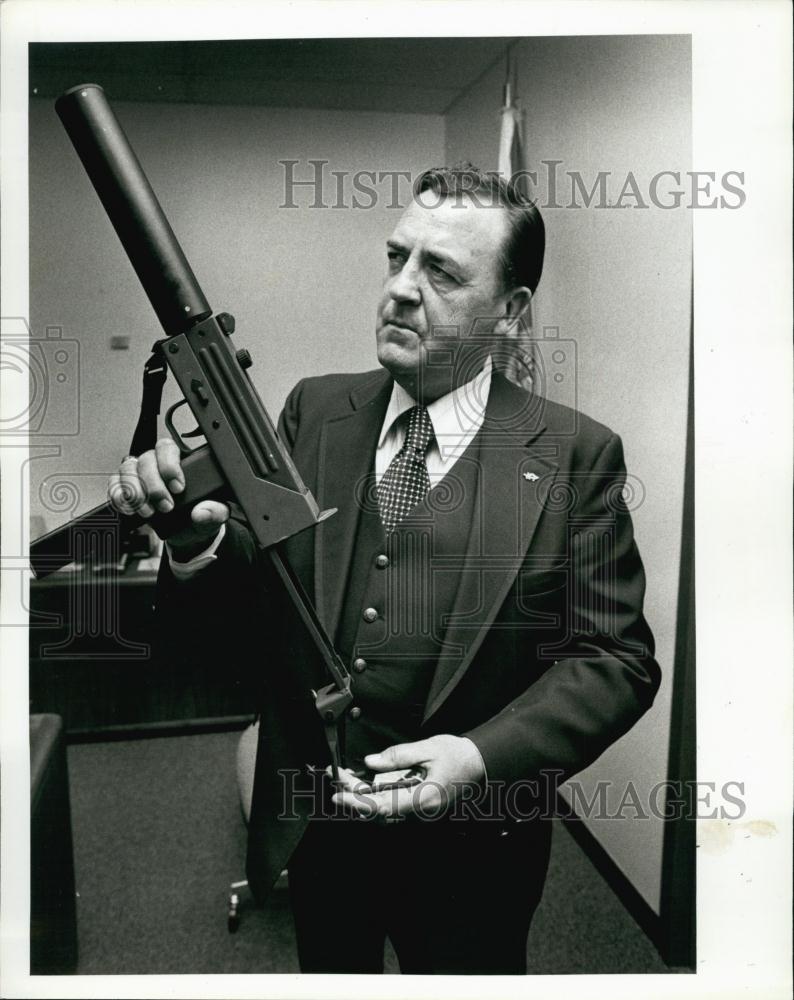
{"x":510,"y":165}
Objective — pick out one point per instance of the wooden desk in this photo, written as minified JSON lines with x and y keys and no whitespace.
{"x":91,"y":659}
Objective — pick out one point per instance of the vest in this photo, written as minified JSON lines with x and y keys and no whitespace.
{"x":399,"y":593}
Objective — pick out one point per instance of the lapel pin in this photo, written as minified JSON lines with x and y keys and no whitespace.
{"x":530,"y":477}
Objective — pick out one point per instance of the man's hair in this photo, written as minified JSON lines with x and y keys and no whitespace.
{"x":522,"y":254}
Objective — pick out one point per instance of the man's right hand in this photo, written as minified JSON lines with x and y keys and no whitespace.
{"x":147,"y":484}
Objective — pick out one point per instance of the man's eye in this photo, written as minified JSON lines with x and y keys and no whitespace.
{"x":439,"y":272}
{"x":396,"y":259}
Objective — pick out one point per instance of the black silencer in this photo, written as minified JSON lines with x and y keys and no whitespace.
{"x":133,"y":208}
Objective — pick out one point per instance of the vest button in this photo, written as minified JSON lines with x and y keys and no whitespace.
{"x":370,"y":614}
{"x":382,"y":562}
{"x":355,"y":712}
{"x":359,"y":665}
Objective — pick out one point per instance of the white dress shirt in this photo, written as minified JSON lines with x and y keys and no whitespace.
{"x":456,"y":418}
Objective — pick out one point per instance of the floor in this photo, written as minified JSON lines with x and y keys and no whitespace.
{"x":159,"y":837}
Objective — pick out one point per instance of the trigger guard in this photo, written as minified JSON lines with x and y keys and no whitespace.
{"x":177,"y":437}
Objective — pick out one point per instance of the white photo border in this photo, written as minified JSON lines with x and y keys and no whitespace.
{"x":742,"y":104}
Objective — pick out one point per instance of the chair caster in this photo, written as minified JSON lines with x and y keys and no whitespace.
{"x":233,"y":914}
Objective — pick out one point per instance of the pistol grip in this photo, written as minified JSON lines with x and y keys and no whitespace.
{"x":203,"y":481}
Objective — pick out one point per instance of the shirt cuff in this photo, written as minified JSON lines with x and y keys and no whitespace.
{"x":477,"y":749}
{"x":186,"y":570}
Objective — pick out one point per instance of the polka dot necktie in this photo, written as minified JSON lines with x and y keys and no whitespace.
{"x":406,"y":481}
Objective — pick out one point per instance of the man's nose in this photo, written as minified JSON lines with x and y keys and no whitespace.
{"x":404,"y":285}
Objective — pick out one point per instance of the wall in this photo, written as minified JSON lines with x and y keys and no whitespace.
{"x":302,"y":283}
{"x":617,"y":282}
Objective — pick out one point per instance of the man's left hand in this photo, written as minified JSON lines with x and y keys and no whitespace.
{"x":448,"y":762}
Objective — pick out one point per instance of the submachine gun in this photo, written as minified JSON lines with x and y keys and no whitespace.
{"x":243,"y":459}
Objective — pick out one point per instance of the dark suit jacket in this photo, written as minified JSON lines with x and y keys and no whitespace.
{"x":551,"y":658}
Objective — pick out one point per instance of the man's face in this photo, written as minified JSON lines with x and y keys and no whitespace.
{"x":443,"y":277}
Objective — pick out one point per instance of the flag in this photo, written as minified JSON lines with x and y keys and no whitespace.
{"x":520,"y":364}
{"x":510,"y":152}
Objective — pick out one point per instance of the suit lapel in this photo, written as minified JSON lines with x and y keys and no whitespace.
{"x":514,"y":476}
{"x":346,"y":460}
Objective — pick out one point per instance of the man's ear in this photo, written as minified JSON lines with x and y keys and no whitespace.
{"x":516,"y":305}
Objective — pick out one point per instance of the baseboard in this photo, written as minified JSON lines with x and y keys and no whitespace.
{"x":149,"y":730}
{"x":643,"y":914}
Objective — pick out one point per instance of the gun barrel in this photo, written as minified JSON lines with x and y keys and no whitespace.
{"x":132,"y":207}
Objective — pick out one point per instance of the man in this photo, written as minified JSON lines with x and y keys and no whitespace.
{"x":480,"y":579}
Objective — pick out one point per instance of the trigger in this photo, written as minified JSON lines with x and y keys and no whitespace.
{"x":196,"y":432}
{"x":169,"y":423}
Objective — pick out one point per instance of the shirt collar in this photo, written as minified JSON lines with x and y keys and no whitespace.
{"x":455,"y":416}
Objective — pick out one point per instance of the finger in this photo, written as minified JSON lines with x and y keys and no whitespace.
{"x":126,"y":492}
{"x":170,"y":465}
{"x":156,"y":491}
{"x":116,"y":493}
{"x":423,"y":799}
{"x":349,"y":781}
{"x":210,"y":512}
{"x":400,"y":756}
{"x":355,"y":803}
